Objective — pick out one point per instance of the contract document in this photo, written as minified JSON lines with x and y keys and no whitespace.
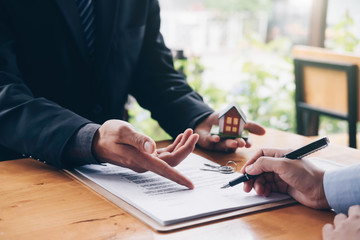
{"x":167,"y":202}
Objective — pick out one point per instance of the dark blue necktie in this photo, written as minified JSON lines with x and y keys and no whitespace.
{"x":87,"y":19}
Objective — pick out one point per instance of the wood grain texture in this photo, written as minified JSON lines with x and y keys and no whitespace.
{"x":41,"y":202}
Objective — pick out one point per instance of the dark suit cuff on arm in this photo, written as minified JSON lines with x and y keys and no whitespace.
{"x":199,"y":119}
{"x":78,"y":150}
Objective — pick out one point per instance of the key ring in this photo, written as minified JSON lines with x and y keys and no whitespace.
{"x":227,"y":169}
{"x":234,"y":168}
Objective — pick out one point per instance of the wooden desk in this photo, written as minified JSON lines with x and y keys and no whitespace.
{"x":41,"y":202}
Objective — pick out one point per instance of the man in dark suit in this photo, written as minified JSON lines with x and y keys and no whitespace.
{"x":67,"y":66}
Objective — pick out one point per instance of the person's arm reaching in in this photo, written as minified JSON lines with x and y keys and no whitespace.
{"x":313,"y":187}
{"x":300,"y":179}
{"x":308,"y":184}
{"x":342,"y":188}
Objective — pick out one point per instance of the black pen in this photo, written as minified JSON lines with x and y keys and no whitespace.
{"x":297,"y":154}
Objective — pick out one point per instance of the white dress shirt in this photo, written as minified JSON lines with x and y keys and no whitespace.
{"x":342,"y":188}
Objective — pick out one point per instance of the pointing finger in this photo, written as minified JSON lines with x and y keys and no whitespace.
{"x":160,"y":167}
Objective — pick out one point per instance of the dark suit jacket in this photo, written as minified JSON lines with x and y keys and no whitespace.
{"x":49,"y":88}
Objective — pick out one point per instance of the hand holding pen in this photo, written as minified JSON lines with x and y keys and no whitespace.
{"x":297,"y":154}
{"x":275,"y":173}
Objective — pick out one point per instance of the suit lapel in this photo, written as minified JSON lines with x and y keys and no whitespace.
{"x":70,"y":12}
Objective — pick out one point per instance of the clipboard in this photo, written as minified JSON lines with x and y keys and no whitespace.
{"x":161,"y":228}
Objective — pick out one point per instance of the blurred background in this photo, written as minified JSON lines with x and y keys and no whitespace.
{"x":241,"y":51}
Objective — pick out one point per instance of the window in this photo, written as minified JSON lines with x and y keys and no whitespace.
{"x":236,"y":121}
{"x":227,"y":128}
{"x":342,"y":26}
{"x":234,"y":129}
{"x":229,"y":120}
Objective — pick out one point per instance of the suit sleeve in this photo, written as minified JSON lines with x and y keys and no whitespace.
{"x":161,"y":89}
{"x":342,"y":188}
{"x":30,"y":125}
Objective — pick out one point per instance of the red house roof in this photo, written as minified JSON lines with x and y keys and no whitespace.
{"x":241,"y":113}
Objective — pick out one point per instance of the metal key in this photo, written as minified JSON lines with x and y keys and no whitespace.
{"x":221,"y":169}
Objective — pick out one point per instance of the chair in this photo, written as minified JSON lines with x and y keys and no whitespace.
{"x":326,"y":84}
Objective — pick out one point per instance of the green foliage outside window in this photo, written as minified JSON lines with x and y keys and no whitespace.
{"x":192,"y":68}
{"x":343,"y":35}
{"x":266,"y":89}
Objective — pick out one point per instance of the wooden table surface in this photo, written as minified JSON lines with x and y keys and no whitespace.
{"x":41,"y":202}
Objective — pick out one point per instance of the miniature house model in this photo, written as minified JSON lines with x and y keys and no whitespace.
{"x":231,"y":122}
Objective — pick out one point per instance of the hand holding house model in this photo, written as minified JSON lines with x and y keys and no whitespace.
{"x":231,"y":124}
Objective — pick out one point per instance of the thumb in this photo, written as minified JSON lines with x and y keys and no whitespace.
{"x":265,"y":164}
{"x":255,"y":128}
{"x":140,"y":141}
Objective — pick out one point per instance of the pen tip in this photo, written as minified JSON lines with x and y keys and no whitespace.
{"x":225,"y":186}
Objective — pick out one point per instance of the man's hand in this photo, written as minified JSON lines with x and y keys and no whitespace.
{"x":116,"y":142}
{"x":344,"y":227}
{"x":214,"y":142}
{"x":299,"y":178}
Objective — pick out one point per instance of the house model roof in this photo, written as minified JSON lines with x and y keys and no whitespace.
{"x":241,"y":113}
